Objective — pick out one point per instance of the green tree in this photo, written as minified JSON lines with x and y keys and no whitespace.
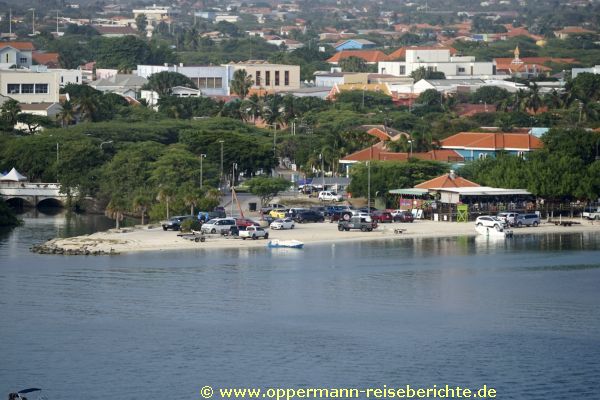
{"x":164,"y":82}
{"x":267,"y":188}
{"x":353,"y":64}
{"x":34,"y":122}
{"x":66,"y":116}
{"x":489,"y":95}
{"x":115,"y":209}
{"x":141,"y":22}
{"x":241,"y":83}
{"x":9,"y":111}
{"x":423,"y":73}
{"x":141,"y":203}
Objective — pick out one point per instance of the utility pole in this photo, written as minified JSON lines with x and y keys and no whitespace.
{"x":233,"y":168}
{"x":221,"y":171}
{"x":56,"y":162}
{"x":33,"y":22}
{"x":10,"y":22}
{"x":369,"y":188}
{"x":322,"y":170}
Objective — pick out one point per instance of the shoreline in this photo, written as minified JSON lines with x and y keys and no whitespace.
{"x":154,"y":239}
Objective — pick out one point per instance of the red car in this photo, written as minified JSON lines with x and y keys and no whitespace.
{"x":404,"y":216}
{"x":382,"y":216}
{"x":245,"y":222}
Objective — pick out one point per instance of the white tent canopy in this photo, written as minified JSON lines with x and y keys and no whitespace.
{"x":13,"y":176}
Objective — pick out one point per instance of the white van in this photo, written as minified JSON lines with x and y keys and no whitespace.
{"x":329,"y":196}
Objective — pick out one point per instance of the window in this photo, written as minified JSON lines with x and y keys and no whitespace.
{"x":6,"y":57}
{"x":23,"y":60}
{"x":77,"y":79}
{"x":286,"y":78}
{"x":402,"y":70}
{"x":461,"y":69}
{"x":521,"y":154}
{"x":41,"y":88}
{"x":257,"y":78}
{"x":482,"y":156}
{"x":62,"y":79}
{"x":13,"y":88}
{"x":218,"y":83}
{"x":201,"y":83}
{"x":27,"y":88}
{"x":267,"y":78}
{"x":276,"y":78}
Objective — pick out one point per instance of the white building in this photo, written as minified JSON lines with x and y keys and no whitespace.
{"x":593,"y":70}
{"x":66,"y":76}
{"x":29,"y":86}
{"x":438,"y":60}
{"x":212,"y":80}
{"x":153,"y":13}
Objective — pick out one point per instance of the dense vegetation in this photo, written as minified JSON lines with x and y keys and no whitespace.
{"x":8,"y":219}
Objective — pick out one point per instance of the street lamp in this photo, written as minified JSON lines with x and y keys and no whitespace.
{"x":201,"y":157}
{"x":369,"y":188}
{"x":56,"y":162}
{"x":32,"y":21}
{"x":322,"y":171}
{"x":108,"y":142}
{"x":410,"y":142}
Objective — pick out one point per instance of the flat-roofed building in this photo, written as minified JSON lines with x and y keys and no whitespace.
{"x":29,"y":86}
{"x":271,"y":77}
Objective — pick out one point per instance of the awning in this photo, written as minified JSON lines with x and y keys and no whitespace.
{"x":410,"y":192}
{"x":13,"y":176}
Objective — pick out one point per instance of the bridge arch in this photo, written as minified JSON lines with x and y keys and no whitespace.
{"x":19,"y":202}
{"x":49,"y":202}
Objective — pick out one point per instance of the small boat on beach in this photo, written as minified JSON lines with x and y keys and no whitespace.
{"x":290,"y":244}
{"x":493,"y":232}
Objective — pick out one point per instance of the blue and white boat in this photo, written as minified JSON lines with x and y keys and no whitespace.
{"x":291,"y":244}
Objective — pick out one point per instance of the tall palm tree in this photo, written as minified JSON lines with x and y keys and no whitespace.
{"x":533,"y":100}
{"x":273,"y":110}
{"x":191,"y":197}
{"x":67,"y":115}
{"x":141,"y":203}
{"x":86,"y":106}
{"x":165,"y":194}
{"x":553,"y":100}
{"x":115,"y":209}
{"x":241,"y":83}
{"x":10,"y":111}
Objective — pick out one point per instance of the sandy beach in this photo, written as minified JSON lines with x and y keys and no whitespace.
{"x":153,"y":238}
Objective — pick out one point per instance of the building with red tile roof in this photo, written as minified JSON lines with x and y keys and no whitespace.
{"x":400,"y":54}
{"x":527,"y":66}
{"x":18,"y":45}
{"x":369,"y":56}
{"x":568,"y":31}
{"x":50,"y":60}
{"x":474,"y":145}
{"x":449,"y":180}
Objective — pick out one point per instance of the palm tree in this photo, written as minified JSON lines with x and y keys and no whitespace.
{"x":553,"y":100}
{"x":115,"y":209}
{"x":191,"y":197}
{"x":86,"y":106}
{"x":10,"y":111}
{"x":533,"y":101}
{"x":241,"y":83}
{"x":141,"y":203}
{"x":272,"y":112}
{"x":67,"y":114}
{"x":165,"y":194}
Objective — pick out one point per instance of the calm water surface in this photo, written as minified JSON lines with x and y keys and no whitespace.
{"x":521,"y":316}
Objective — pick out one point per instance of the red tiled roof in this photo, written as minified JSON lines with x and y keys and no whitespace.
{"x":379,"y":152}
{"x":492,"y":141}
{"x":370,"y":56}
{"x":48,"y":59}
{"x":18,"y":45}
{"x":400,"y":54}
{"x":446,"y":181}
{"x":574,"y":29}
{"x":468,"y":110}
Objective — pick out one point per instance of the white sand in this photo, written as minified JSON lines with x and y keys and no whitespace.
{"x":155,"y":239}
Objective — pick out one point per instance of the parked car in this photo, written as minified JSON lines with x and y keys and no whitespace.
{"x":245,"y":222}
{"x":218,"y":225}
{"x":331,"y":209}
{"x":340,"y":215}
{"x":527,"y":220}
{"x":490,"y":221}
{"x":254,"y":232}
{"x":321,"y":210}
{"x":272,"y":206}
{"x":174,"y":223}
{"x":329,"y":196}
{"x":309,"y":216}
{"x":508,"y":217}
{"x":357,"y":223}
{"x":382,"y":216}
{"x":285,"y":223}
{"x":292,"y":212}
{"x":404,"y":216}
{"x":367,"y":209}
{"x":591,"y":212}
{"x":278,"y":212}
{"x":218,"y":212}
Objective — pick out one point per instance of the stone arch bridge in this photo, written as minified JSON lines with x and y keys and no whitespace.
{"x":28,"y":194}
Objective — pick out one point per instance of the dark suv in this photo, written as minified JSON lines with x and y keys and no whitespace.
{"x":309,"y":216}
{"x":175,"y":222}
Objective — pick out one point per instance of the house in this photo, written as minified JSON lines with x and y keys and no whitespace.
{"x":289,"y":44}
{"x":369,"y":56}
{"x":123,"y":84}
{"x":477,"y":145}
{"x":527,"y":67}
{"x":115,"y":30}
{"x":354,"y":44}
{"x":50,"y":60}
{"x":400,"y":54}
{"x":29,"y":86}
{"x":267,"y":76}
{"x":448,"y":85}
{"x":50,"y":110}
{"x":15,"y":53}
{"x":367,"y":87}
{"x":66,"y":75}
{"x":569,"y":31}
{"x":437,"y":59}
{"x":449,"y":180}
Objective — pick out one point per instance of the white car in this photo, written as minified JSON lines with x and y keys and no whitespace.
{"x":397,"y":212}
{"x":490,"y":222}
{"x":286,"y":223}
{"x":254,"y":232}
{"x":329,"y":196}
{"x":218,"y":225}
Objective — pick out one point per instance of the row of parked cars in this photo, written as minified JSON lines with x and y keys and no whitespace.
{"x":336,"y":213}
{"x":507,"y":219}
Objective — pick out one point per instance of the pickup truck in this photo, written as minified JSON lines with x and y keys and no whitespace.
{"x":357,"y":223}
{"x":592,"y":212}
{"x":254,"y":232}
